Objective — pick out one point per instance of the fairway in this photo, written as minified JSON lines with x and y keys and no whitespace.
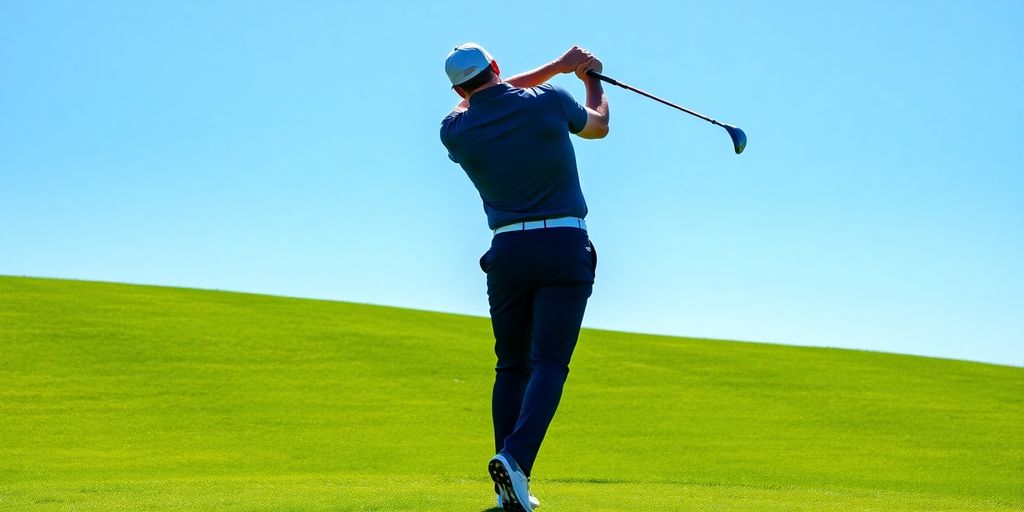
{"x":118,"y":397}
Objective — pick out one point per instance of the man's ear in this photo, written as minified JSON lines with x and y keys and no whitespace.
{"x":494,"y":67}
{"x":459,"y":91}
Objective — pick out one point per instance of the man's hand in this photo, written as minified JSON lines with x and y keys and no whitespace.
{"x":572,"y":59}
{"x":583,"y":67}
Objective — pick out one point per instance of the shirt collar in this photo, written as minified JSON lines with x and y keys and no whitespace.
{"x":490,"y":92}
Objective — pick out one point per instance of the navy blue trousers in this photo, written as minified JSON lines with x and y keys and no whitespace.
{"x":538,"y":283}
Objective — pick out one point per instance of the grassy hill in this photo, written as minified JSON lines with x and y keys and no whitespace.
{"x":116,"y":397}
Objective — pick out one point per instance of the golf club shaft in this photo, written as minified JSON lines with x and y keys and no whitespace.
{"x":613,"y":81}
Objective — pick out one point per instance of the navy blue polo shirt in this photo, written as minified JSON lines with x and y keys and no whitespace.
{"x":514,"y":145}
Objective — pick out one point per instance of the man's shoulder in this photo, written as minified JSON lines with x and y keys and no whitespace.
{"x":541,"y":90}
{"x":452,"y":118}
{"x":550,"y":88}
{"x":449,"y":125}
{"x":454,"y":114}
{"x":554,"y":93}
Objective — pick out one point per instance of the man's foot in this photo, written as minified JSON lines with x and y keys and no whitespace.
{"x":512,"y":485}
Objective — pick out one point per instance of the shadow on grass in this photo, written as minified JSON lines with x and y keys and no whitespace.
{"x":492,"y":509}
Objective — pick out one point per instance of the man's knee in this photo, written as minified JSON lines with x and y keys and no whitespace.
{"x":551,"y":366}
{"x":513,"y":366}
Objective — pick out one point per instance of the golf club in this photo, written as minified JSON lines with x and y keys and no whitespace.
{"x":739,"y":139}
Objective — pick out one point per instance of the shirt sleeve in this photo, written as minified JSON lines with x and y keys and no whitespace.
{"x":575,"y":114}
{"x":445,"y":138}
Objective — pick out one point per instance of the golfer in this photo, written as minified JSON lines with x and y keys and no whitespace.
{"x":512,"y":139}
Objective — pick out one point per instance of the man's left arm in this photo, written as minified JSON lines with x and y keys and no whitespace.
{"x":567,"y":63}
{"x":461,"y":107}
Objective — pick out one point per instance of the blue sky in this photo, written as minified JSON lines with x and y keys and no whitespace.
{"x":292,"y":148}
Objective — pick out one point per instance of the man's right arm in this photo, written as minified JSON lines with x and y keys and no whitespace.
{"x":597,"y":102}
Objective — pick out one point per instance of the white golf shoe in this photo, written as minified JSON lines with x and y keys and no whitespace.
{"x":512,"y":485}
{"x":534,"y":502}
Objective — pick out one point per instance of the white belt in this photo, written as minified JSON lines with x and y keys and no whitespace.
{"x":561,"y":222}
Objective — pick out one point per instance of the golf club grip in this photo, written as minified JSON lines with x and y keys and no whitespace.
{"x":599,"y":76}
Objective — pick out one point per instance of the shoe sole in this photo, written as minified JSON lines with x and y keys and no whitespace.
{"x":504,"y":484}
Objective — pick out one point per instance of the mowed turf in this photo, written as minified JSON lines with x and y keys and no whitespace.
{"x":117,"y":397}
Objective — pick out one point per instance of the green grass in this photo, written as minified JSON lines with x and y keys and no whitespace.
{"x":116,"y":397}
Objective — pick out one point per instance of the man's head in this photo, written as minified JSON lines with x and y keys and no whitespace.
{"x":469,"y":68}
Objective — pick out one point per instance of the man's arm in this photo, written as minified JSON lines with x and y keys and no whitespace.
{"x":567,"y":63}
{"x":462,"y":106}
{"x":597,"y":102}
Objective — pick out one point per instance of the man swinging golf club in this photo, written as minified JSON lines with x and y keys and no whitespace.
{"x":512,"y":139}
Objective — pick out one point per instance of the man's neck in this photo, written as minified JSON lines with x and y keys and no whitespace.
{"x":486,"y":86}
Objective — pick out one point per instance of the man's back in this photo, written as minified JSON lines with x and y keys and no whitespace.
{"x":514,"y":145}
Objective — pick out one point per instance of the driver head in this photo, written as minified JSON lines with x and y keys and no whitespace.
{"x":739,"y":139}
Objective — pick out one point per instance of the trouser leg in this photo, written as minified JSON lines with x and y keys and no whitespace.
{"x":512,"y":321}
{"x":557,"y":315}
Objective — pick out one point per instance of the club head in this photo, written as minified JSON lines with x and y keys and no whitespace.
{"x":739,"y":139}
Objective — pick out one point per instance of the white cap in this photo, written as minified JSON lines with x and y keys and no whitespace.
{"x":466,"y":61}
